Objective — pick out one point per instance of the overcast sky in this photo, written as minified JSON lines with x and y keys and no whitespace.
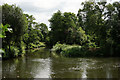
{"x":42,"y":10}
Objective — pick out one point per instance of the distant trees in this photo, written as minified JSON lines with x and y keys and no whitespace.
{"x":44,"y":30}
{"x":31,"y":35}
{"x":64,"y":28}
{"x":96,"y":25}
{"x":99,"y":20}
{"x":35,"y":34}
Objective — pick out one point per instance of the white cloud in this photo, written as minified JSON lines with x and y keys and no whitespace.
{"x":42,"y":10}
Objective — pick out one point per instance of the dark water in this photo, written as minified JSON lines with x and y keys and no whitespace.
{"x":42,"y":64}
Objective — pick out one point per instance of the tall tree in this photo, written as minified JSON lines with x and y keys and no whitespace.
{"x":13,"y":15}
{"x":56,"y":25}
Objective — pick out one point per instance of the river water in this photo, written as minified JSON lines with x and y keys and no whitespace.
{"x":43,"y":64}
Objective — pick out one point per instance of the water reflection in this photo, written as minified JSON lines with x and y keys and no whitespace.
{"x":42,"y":64}
{"x":42,"y":69}
{"x":84,"y":65}
{"x":85,"y":68}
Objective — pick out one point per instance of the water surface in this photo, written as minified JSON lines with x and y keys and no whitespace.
{"x":43,"y":64}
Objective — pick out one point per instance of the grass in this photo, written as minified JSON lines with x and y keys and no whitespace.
{"x":69,"y":50}
{"x":75,"y":51}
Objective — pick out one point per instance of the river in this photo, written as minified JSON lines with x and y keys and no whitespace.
{"x":43,"y":64}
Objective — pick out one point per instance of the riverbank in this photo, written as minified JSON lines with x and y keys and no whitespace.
{"x":32,"y":50}
{"x":81,"y":51}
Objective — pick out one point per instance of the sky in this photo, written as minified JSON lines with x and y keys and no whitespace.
{"x":43,"y":10}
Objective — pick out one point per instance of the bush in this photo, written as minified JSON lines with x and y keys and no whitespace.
{"x":36,"y":45}
{"x":76,"y":50}
{"x":73,"y":51}
{"x":22,"y":48}
{"x":11,"y":52}
{"x":41,"y":44}
{"x":59,"y":47}
{"x":69,"y":50}
{"x":91,"y":45}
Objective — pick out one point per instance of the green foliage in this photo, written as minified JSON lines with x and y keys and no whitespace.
{"x":59,"y":47}
{"x":13,"y":15}
{"x":22,"y":48}
{"x":73,"y":51}
{"x":15,"y":25}
{"x":36,"y":33}
{"x":3,"y":29}
{"x":91,"y":45}
{"x":57,"y":28}
{"x":22,"y":32}
{"x":11,"y":51}
{"x":95,"y":26}
{"x":66,"y":24}
{"x":69,"y":50}
{"x":95,"y":31}
{"x":77,"y":51}
{"x":81,"y":37}
{"x":37,"y":45}
{"x":1,"y":51}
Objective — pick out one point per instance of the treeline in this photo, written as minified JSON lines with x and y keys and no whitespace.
{"x":94,"y":30}
{"x":20,"y":32}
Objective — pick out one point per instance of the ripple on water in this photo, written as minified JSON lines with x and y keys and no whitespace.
{"x":41,"y":60}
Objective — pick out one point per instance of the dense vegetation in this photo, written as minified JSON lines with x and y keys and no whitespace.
{"x":94,"y":31}
{"x":20,"y":32}
{"x":96,"y":26}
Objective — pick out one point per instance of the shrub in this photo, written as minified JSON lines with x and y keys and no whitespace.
{"x":41,"y":44}
{"x":73,"y":51}
{"x":36,"y":45}
{"x":11,"y":52}
{"x":22,"y":48}
{"x":91,"y":45}
{"x":59,"y":47}
{"x":76,"y":50}
{"x":69,"y":50}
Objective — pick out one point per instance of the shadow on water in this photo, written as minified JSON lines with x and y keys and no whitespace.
{"x":43,"y":64}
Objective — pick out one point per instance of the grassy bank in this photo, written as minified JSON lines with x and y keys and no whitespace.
{"x":77,"y":51}
{"x":13,"y":51}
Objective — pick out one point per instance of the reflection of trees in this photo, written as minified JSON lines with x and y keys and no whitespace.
{"x":43,"y":68}
{"x":65,"y":68}
{"x":16,"y":68}
{"x":42,"y":53}
{"x":84,"y":65}
{"x":103,"y":68}
{"x":24,"y":67}
{"x":84,"y":68}
{"x":38,"y":64}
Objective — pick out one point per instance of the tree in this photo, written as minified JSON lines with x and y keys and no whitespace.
{"x":13,"y":15}
{"x":35,"y":33}
{"x":91,"y":19}
{"x":56,"y":25}
{"x":65,"y":29}
{"x":115,"y":31}
{"x":26,"y":38}
{"x":43,"y":29}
